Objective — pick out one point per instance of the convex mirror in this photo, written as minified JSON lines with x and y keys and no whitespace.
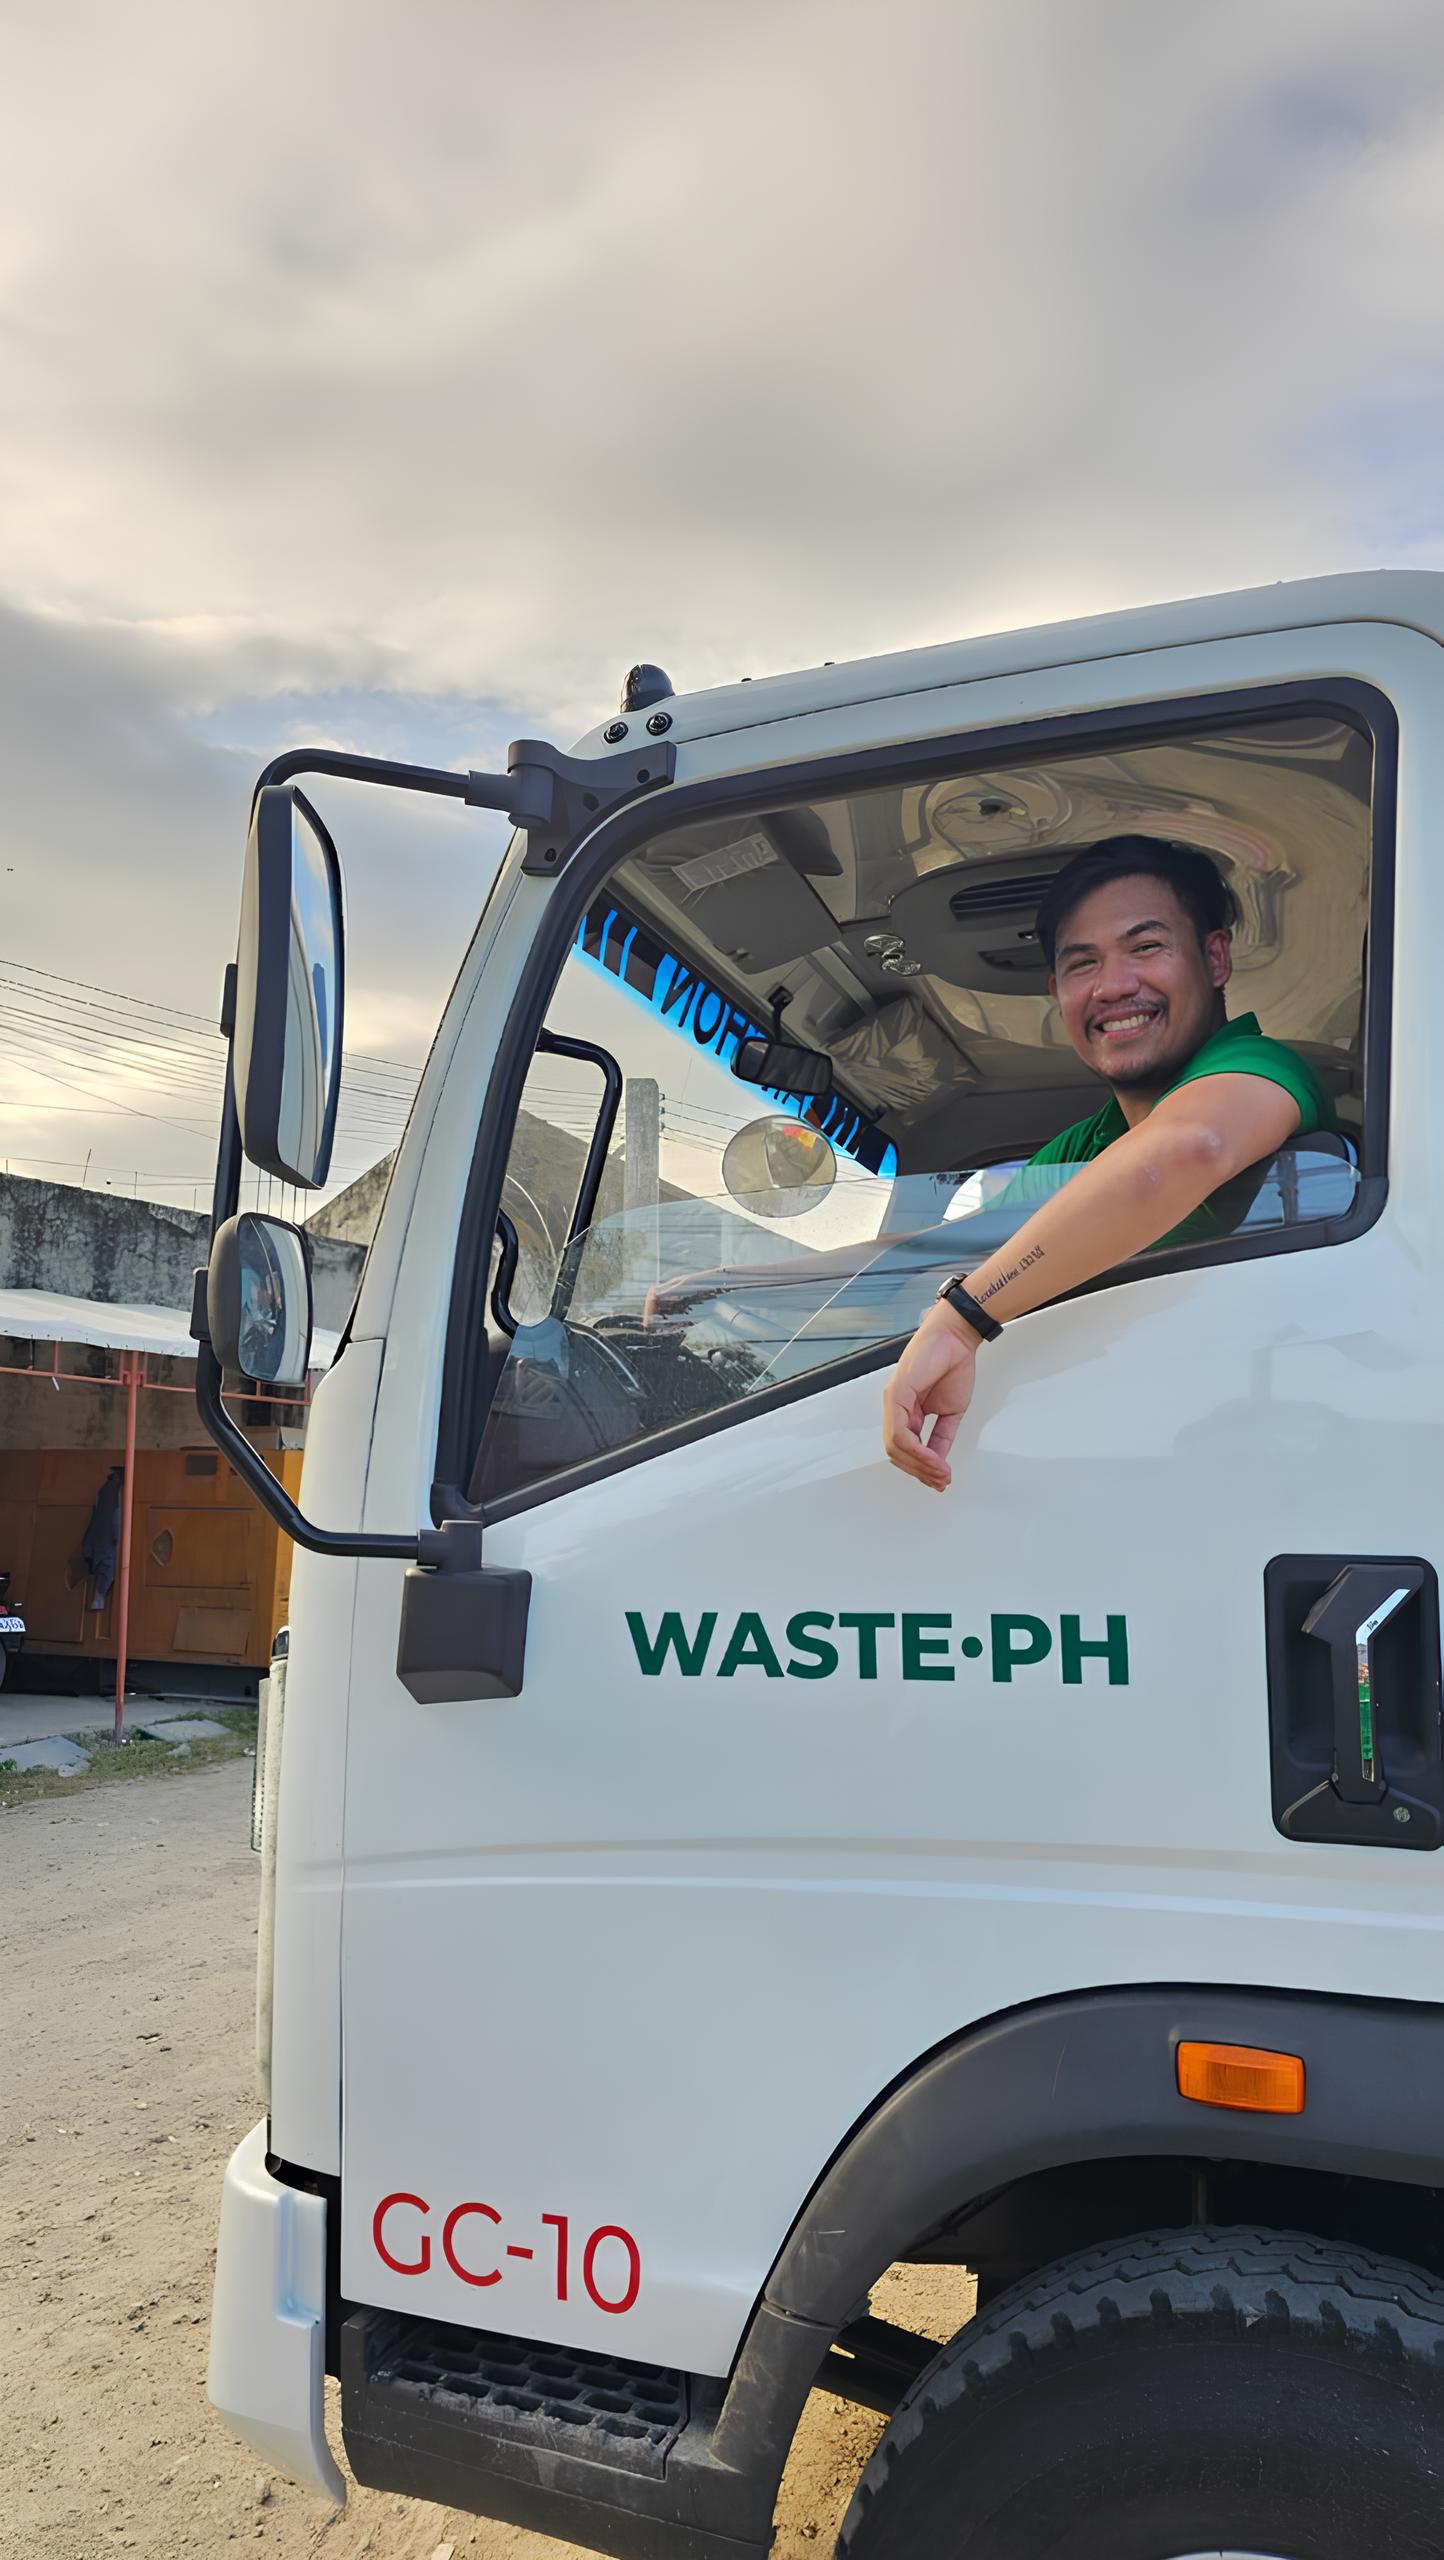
{"x":286,"y":1045}
{"x":783,"y":1066}
{"x":778,"y":1168}
{"x":258,"y":1300}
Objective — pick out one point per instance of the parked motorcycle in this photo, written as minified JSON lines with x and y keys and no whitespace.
{"x":12,"y":1629}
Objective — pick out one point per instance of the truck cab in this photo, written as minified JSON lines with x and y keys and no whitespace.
{"x":700,"y":1870}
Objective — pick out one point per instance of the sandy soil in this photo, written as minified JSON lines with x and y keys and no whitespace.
{"x":127,"y":1936}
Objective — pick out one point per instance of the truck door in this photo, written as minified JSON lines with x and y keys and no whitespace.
{"x":809,"y":1770}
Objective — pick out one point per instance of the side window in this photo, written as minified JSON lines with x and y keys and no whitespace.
{"x":836,"y":1050}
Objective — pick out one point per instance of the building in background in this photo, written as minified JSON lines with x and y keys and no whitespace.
{"x":94,"y":1336}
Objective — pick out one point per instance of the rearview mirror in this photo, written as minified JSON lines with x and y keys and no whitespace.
{"x":286,"y":1045}
{"x":778,"y":1168}
{"x":258,"y":1300}
{"x":783,"y":1067}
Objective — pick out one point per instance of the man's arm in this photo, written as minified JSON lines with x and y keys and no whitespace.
{"x":1146,"y":1182}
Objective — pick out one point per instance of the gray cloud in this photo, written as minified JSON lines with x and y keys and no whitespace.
{"x":510,"y":342}
{"x":356,"y":355}
{"x":121,"y":831}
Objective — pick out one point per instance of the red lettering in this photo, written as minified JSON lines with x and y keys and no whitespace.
{"x":399,"y":2266}
{"x":558,"y":2222}
{"x":612,"y":2231}
{"x":457,"y":2214}
{"x":420,"y":2265}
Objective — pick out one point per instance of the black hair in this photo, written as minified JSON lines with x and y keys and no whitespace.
{"x":1194,"y":877}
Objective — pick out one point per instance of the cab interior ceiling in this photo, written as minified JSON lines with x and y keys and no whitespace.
{"x":949,"y":1040}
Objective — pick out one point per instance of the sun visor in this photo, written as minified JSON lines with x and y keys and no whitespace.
{"x":749,"y":903}
{"x":899,"y":1059}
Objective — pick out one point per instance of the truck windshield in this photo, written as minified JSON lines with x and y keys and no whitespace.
{"x":892,"y":934}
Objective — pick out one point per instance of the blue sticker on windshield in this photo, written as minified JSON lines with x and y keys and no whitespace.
{"x":679,"y":995}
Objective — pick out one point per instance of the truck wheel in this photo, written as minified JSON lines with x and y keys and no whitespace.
{"x":1210,"y":2394}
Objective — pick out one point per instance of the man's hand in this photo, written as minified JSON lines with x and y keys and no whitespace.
{"x":933,"y":1379}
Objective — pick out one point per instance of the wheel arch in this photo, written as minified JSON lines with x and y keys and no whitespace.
{"x":1085,"y":2079}
{"x":1094,"y":2077}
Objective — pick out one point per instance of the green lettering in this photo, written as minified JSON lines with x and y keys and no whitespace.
{"x":1008,"y":1657}
{"x":916,"y":1645}
{"x":671,"y":1637}
{"x":867,"y":1623}
{"x":1113,"y":1648}
{"x":749,"y":1648}
{"x":825,"y":1662}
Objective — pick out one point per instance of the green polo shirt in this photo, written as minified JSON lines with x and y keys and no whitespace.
{"x":1237,"y":1048}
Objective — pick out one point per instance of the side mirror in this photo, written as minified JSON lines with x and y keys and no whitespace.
{"x":258,"y":1300}
{"x":778,"y":1168}
{"x":286,"y":1044}
{"x":783,"y":1067}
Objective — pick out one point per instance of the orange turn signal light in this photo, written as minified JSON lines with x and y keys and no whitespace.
{"x":1242,"y":2075}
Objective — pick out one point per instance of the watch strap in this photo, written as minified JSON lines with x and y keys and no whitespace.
{"x":957,"y":1297}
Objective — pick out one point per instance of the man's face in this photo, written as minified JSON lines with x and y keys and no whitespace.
{"x":1137,"y":990}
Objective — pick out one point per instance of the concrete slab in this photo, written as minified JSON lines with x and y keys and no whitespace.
{"x":53,"y":1753}
{"x":177,"y":1728}
{"x":30,"y":1717}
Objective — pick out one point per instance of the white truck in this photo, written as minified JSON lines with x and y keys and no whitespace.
{"x":701,"y":1870}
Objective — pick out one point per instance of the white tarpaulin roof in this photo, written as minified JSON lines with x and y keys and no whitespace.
{"x":44,"y":1315}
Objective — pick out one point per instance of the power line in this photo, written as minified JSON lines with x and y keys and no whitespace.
{"x":179,"y":1016}
{"x":165,"y":1062}
{"x":79,"y":1050}
{"x":103,"y":1046}
{"x":77,"y":1053}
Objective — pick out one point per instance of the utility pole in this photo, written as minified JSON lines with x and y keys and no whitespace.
{"x":642,"y":1177}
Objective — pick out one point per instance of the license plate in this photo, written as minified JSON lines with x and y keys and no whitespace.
{"x":12,"y":1626}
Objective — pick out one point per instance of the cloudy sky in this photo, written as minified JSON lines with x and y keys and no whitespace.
{"x":397,"y":374}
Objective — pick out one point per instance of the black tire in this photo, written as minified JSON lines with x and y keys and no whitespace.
{"x":1183,"y":2393}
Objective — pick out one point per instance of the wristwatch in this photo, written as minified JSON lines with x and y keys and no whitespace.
{"x":954,"y":1295}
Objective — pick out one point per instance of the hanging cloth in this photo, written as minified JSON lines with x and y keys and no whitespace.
{"x":100,"y":1545}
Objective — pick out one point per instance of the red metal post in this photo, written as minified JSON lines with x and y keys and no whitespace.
{"x":122,"y":1568}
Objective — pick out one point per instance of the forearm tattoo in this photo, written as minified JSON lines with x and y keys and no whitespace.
{"x":1005,"y":1278}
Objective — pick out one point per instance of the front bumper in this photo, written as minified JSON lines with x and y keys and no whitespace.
{"x":267,"y":2372}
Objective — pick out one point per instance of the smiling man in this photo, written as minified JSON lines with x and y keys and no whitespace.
{"x":1138,"y":939}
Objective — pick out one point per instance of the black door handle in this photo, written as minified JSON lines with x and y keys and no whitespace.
{"x":1354,"y":1700}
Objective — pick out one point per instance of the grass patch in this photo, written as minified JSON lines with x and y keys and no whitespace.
{"x":111,"y":1764}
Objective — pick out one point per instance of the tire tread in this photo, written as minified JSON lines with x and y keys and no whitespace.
{"x":1215,"y":2276}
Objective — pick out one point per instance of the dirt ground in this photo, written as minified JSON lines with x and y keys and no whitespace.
{"x":127,"y":1938}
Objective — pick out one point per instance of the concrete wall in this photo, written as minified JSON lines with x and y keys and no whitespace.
{"x":36,"y":1413}
{"x":351,"y":1217}
{"x":91,"y":1244}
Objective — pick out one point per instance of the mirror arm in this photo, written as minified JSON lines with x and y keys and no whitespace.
{"x":557,"y":798}
{"x":349,"y":768}
{"x":271,"y":1494}
{"x":453,"y":1548}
